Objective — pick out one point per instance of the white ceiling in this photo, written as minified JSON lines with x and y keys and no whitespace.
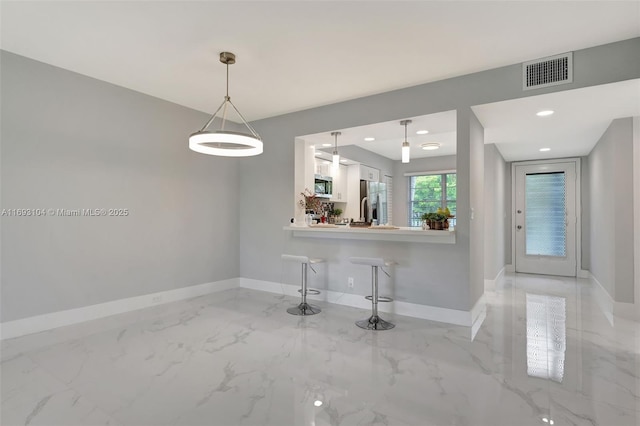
{"x":581,"y":116}
{"x":299,"y":54}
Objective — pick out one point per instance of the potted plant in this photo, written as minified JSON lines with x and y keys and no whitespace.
{"x":426,"y":221}
{"x":440,"y":220}
{"x":334,"y":215}
{"x":435,"y":221}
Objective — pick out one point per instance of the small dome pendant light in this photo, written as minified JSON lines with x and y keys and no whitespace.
{"x":406,"y":148}
{"x":222,"y":142}
{"x":336,"y":156}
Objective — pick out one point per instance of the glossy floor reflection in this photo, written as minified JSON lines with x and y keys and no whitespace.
{"x":544,"y":355}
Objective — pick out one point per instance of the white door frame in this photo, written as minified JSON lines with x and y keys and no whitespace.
{"x":580,"y":273}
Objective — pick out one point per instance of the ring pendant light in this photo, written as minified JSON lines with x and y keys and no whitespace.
{"x":223,"y":142}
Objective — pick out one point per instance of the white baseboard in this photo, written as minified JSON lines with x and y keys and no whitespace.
{"x":36,"y":324}
{"x":490,"y":284}
{"x":583,"y":273}
{"x":432,"y":313}
{"x":478,"y":314}
{"x":603,"y":299}
{"x":611,"y":308}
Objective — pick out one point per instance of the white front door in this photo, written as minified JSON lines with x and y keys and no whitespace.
{"x":545,"y":218}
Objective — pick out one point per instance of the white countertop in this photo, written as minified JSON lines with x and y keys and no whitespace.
{"x":406,"y":234}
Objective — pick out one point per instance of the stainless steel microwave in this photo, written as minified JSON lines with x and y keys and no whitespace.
{"x":323,"y":186}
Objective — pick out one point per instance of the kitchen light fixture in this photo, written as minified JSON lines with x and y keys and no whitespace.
{"x":422,"y":132}
{"x":545,"y":149}
{"x":336,"y":156}
{"x":406,"y":148}
{"x":430,"y":146}
{"x":369,"y":139}
{"x":544,"y":113}
{"x":223,"y":142}
{"x":326,"y":144}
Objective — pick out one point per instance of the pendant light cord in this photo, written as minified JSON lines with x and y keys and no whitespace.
{"x":226,"y":99}
{"x":335,"y":145}
{"x":223,"y":107}
{"x":405,"y":132}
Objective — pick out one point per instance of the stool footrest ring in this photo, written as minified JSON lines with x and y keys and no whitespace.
{"x":382,"y":299}
{"x":310,"y":291}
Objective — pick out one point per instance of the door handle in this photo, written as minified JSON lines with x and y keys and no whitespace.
{"x":519,"y":227}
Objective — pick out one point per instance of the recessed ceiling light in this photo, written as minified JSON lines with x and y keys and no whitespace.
{"x":343,"y":161}
{"x":369,"y":139}
{"x":544,"y":113}
{"x":430,"y":146}
{"x":326,"y":144}
{"x":317,"y":403}
{"x":545,"y":149}
{"x":422,"y":132}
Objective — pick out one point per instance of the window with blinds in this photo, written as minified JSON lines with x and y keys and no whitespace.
{"x":388,"y":180}
{"x":545,"y":214}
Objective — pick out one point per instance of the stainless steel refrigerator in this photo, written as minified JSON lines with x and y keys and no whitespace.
{"x":373,"y":202}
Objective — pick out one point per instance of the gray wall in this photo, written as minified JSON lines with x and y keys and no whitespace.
{"x":497,"y":236}
{"x":508,"y":226}
{"x":611,"y":222}
{"x":431,"y":274}
{"x":476,"y":189}
{"x":585,"y":208}
{"x":69,"y":141}
{"x":401,"y":182}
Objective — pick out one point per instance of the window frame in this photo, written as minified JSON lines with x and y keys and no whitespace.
{"x":443,"y":196}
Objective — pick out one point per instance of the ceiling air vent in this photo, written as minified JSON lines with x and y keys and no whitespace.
{"x":546,"y":72}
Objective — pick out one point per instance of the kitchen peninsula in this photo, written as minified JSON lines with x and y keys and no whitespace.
{"x":375,"y":233}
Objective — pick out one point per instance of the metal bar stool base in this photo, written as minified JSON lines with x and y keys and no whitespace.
{"x":375,"y":323}
{"x":304,"y":309}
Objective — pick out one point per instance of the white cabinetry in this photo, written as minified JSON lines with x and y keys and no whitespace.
{"x":339,"y":178}
{"x":323,"y":167}
{"x":340,"y":185}
{"x":369,"y":173}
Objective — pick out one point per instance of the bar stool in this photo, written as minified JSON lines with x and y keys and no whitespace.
{"x":304,"y":308}
{"x":374,"y":322}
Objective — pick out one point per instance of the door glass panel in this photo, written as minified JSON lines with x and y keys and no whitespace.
{"x":546,"y":233}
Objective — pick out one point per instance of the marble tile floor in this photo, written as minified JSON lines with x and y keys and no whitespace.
{"x":545,"y":354}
